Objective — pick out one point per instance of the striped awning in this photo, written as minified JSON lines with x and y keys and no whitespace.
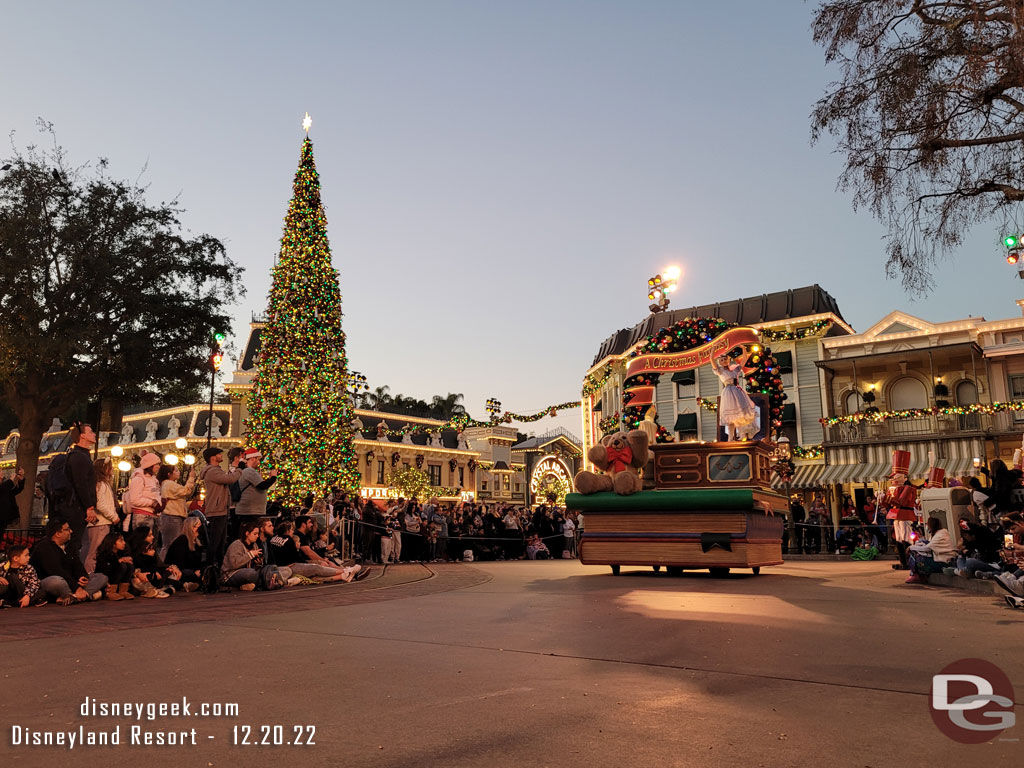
{"x":869,"y":473}
{"x":805,"y":476}
{"x":834,"y":473}
{"x":919,"y":468}
{"x":957,"y":467}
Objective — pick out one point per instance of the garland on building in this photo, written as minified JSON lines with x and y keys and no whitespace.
{"x":461,"y":421}
{"x":593,"y":382}
{"x":708,"y":405}
{"x":819,"y":328}
{"x":810,"y":452}
{"x":611,"y":424}
{"x":688,"y":333}
{"x":299,"y":413}
{"x":917,"y":413}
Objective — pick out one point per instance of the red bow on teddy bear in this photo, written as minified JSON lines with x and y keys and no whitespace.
{"x":619,"y":458}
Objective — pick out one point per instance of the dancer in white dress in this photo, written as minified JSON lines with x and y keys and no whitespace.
{"x":736,"y":411}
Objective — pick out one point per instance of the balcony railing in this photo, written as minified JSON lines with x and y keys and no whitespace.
{"x":924,"y":427}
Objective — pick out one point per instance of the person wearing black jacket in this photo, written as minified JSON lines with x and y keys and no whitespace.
{"x":61,"y":570}
{"x":78,"y":508}
{"x":10,"y":488}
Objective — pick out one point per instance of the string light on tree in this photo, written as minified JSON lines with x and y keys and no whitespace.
{"x":300,"y":415}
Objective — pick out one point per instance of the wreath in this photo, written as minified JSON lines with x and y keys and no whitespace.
{"x":452,"y":464}
{"x":472,"y":465}
{"x":369,"y":457}
{"x":419,"y":461}
{"x":395,"y":456}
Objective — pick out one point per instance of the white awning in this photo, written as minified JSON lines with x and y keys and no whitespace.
{"x":805,"y":476}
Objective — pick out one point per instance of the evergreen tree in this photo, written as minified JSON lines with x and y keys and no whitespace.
{"x":299,"y":412}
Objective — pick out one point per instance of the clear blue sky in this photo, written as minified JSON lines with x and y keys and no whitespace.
{"x":500,"y":178}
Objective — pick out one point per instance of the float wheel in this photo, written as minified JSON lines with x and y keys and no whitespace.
{"x":719,"y":573}
{"x":615,"y":570}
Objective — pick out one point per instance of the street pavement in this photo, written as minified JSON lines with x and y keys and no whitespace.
{"x":521,"y":664}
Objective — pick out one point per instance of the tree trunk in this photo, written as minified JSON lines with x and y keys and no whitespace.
{"x":30,"y":429}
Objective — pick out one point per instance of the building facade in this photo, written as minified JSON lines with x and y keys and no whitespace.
{"x":928,"y":388}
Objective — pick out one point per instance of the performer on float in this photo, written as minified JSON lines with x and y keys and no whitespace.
{"x":736,"y":411}
{"x":900,"y":501}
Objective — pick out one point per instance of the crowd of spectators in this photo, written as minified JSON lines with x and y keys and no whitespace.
{"x":158,"y":539}
{"x":401,"y":530}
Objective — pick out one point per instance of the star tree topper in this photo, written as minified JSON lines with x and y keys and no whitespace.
{"x":307,"y":121}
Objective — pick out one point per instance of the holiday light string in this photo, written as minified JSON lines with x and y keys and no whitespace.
{"x":819,"y":328}
{"x":917,"y":413}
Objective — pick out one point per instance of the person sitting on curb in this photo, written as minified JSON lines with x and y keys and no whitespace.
{"x":62,"y":573}
{"x":243,"y":553}
{"x":22,"y":583}
{"x":978,"y":557}
{"x":115,"y":562}
{"x":926,"y":558}
{"x":292,"y":549}
{"x":1012,"y":579}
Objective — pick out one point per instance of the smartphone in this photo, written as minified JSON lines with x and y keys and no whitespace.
{"x":1007,"y":540}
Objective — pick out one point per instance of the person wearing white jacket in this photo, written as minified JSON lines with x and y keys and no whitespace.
{"x":931,"y":556}
{"x":144,"y":493}
{"x":106,"y":514}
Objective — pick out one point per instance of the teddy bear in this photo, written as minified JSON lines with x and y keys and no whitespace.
{"x":619,"y":456}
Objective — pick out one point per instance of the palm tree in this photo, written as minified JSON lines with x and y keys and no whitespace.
{"x":446,"y":407}
{"x":378,"y":397}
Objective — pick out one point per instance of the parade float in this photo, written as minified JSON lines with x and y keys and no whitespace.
{"x":697,"y":505}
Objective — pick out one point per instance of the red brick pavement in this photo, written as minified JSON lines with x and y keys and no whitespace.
{"x":395,"y":582}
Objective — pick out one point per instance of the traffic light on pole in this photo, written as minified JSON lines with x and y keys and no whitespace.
{"x":217,"y":351}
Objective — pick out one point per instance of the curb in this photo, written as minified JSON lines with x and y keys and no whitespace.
{"x":978,"y":586}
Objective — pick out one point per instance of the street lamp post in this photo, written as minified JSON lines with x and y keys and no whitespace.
{"x":660,"y":286}
{"x":216,"y":358}
{"x":783,"y":467}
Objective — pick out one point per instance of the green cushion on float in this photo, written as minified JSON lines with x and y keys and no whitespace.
{"x":703,"y":499}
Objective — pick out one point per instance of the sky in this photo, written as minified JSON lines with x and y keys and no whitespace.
{"x":500,"y":178}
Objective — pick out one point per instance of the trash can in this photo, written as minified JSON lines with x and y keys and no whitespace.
{"x":948,"y":505}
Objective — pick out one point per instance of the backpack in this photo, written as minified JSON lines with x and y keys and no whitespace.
{"x":58,"y":483}
{"x":235,"y":489}
{"x":210,"y":581}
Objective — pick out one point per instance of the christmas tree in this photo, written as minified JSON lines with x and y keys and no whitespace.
{"x":299,"y":412}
